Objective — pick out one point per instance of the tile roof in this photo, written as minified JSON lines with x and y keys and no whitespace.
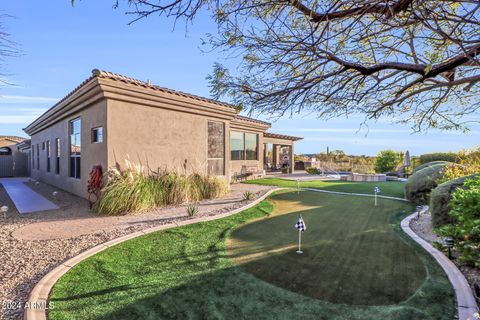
{"x":13,"y":138}
{"x":281,"y":136}
{"x":147,"y":84}
{"x":239,"y":117}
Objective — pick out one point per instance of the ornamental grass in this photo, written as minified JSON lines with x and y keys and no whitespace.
{"x":135,"y":190}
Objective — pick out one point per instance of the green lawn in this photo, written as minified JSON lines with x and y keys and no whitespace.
{"x":356,"y":265}
{"x":389,"y":188}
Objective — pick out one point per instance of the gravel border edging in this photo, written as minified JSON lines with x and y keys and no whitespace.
{"x":38,"y":298}
{"x":466,"y":304}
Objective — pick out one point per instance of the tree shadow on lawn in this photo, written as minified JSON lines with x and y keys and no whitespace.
{"x":233,"y":294}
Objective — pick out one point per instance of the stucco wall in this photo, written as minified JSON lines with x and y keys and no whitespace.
{"x":157,"y":138}
{"x":91,"y":154}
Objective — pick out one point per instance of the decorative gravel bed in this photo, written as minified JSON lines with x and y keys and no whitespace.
{"x":25,"y":262}
{"x":423,"y":227}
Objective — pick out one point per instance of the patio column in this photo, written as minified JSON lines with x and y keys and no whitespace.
{"x":292,"y":158}
{"x":276,"y":155}
{"x":265,"y":155}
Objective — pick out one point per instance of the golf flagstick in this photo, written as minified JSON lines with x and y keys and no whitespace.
{"x":299,"y":251}
{"x":300,"y":226}
{"x":376,"y":190}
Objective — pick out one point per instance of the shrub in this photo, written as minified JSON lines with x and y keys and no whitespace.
{"x":192,"y":210}
{"x":439,"y":199}
{"x":387,"y":160}
{"x":133,"y":191}
{"x":465,"y":210}
{"x":247,"y":195}
{"x":422,"y":182}
{"x":312,"y":170}
{"x":438,"y":156}
{"x":469,"y":163}
{"x":429,"y":164}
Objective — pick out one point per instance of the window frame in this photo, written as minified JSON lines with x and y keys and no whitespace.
{"x":75,"y":157}
{"x":48,"y":154}
{"x":57,"y":155}
{"x":244,"y":142}
{"x":96,"y":129}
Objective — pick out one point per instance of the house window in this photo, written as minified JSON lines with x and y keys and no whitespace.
{"x":47,"y":146}
{"x":33,"y":156}
{"x":216,"y":148}
{"x":75,"y":127}
{"x":97,"y":135}
{"x":243,"y":145}
{"x":43,"y":145}
{"x":237,"y":145}
{"x":38,"y":156}
{"x":251,"y":146}
{"x":57,"y":156}
{"x":5,"y":151}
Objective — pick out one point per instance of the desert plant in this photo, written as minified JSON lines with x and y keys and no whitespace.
{"x":429,"y":164}
{"x":192,"y":210}
{"x":312,"y":170}
{"x":468,"y":164}
{"x":440,"y":198}
{"x":247,"y":195}
{"x":387,"y":160}
{"x":133,"y":190}
{"x":465,"y":210}
{"x":421,"y":183}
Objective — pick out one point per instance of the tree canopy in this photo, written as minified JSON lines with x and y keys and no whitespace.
{"x":7,"y":47}
{"x":411,"y":61}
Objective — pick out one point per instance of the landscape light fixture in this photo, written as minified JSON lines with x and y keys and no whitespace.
{"x":449,"y":244}
{"x":4,"y":210}
{"x":419,"y":209}
{"x":55,"y":194}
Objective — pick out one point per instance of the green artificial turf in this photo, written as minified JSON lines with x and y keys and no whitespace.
{"x":201,"y":271}
{"x":389,"y":188}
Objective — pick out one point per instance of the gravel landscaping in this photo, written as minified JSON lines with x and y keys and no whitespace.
{"x":423,"y":227}
{"x":28,"y":255}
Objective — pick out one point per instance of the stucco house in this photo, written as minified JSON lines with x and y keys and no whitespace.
{"x":109,"y":118}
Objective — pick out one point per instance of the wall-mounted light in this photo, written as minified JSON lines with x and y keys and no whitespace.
{"x":4,"y":210}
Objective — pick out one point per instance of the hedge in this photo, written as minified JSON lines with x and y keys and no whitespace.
{"x":440,"y":198}
{"x":422,"y":182}
{"x":438,"y":156}
{"x":429,"y":164}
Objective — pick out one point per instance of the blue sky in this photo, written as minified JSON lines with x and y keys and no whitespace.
{"x":61,"y":44}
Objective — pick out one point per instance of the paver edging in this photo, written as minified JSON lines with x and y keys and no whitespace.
{"x":38,"y":299}
{"x":466,"y":304}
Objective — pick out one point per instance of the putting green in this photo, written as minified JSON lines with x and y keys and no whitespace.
{"x":351,"y":253}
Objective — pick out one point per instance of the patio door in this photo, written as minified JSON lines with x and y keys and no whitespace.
{"x":216,"y":148}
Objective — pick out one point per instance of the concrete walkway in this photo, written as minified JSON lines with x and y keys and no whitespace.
{"x":25,"y":199}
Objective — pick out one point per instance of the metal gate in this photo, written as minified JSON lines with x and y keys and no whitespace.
{"x":6,"y":166}
{"x":14,"y":165}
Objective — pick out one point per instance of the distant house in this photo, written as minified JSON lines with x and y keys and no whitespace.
{"x":13,"y":161}
{"x":109,"y":118}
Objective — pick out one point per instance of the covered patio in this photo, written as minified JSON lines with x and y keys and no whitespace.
{"x":278,"y":152}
